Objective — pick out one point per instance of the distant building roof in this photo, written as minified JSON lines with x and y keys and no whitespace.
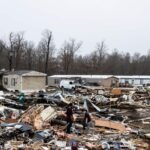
{"x":26,"y":73}
{"x":2,"y":72}
{"x":134,"y":77}
{"x":82,"y":76}
{"x":19,"y":72}
{"x":102,"y":76}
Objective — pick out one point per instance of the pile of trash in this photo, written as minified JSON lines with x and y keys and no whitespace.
{"x":119,"y":119}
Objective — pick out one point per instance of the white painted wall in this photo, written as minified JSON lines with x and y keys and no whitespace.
{"x":9,"y":86}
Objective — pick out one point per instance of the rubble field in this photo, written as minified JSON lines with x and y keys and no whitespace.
{"x":120,"y":119}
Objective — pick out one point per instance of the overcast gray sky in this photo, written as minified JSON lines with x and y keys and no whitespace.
{"x":122,"y":24}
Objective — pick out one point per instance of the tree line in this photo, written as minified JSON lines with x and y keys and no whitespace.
{"x":19,"y":54}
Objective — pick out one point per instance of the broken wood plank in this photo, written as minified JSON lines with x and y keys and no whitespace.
{"x":110,"y":124}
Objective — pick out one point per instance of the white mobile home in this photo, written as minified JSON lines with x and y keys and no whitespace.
{"x":55,"y":79}
{"x":24,"y":80}
{"x":133,"y":80}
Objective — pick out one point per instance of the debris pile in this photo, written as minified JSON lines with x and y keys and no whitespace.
{"x":82,"y":119}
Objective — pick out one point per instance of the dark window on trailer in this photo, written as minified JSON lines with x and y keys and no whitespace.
{"x":6,"y":81}
{"x":13,"y":82}
{"x":56,"y":81}
{"x":141,"y":81}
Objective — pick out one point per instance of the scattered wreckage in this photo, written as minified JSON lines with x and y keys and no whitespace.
{"x":120,"y":120}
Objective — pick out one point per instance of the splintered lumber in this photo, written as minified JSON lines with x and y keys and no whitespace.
{"x":110,"y":124}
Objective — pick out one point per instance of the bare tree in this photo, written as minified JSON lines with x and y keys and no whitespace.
{"x":3,"y":54}
{"x":16,"y":46}
{"x":11,"y":51}
{"x":101,"y":50}
{"x":21,"y":54}
{"x":67,"y":54}
{"x":40,"y":55}
{"x":29,"y":54}
{"x":11,"y":41}
{"x":2,"y":46}
{"x":19,"y":43}
{"x":47,"y":47}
